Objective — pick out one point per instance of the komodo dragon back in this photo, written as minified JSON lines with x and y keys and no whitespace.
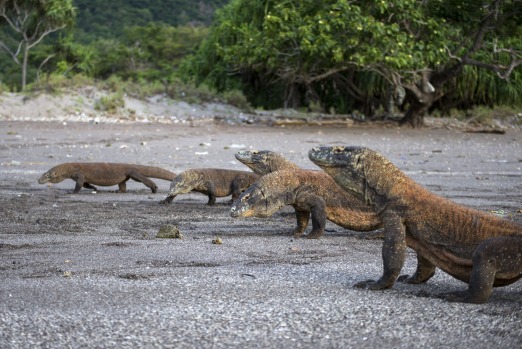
{"x":263,"y":162}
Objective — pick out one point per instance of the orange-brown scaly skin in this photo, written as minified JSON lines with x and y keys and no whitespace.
{"x":309,"y":192}
{"x":88,"y":174}
{"x":263,"y":162}
{"x":213,"y":182}
{"x":473,"y":246}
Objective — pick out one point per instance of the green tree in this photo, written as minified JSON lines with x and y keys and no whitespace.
{"x":416,"y":47}
{"x":29,"y":22}
{"x":162,"y":47}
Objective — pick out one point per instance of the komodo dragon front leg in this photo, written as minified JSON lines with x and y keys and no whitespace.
{"x":317,"y":208}
{"x":79,"y":178}
{"x":393,"y":252}
{"x":237,"y":187}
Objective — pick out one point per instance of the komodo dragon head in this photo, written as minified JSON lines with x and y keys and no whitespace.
{"x":57,"y":173}
{"x":184,"y":183}
{"x":359,"y":170}
{"x":260,"y":199}
{"x":262,"y":162}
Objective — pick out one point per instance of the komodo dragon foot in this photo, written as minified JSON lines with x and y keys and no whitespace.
{"x":371,"y":285}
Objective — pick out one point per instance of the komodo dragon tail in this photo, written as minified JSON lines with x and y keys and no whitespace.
{"x":156,"y":172}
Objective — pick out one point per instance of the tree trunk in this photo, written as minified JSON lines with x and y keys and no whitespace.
{"x":414,"y":116}
{"x":24,"y":66}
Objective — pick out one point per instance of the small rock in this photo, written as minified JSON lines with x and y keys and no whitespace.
{"x":169,"y":232}
{"x":217,"y":241}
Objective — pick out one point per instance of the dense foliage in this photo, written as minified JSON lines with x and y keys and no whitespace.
{"x":130,"y":39}
{"x":27,"y":23}
{"x":364,"y":56}
{"x":349,"y":55}
{"x":109,"y":19}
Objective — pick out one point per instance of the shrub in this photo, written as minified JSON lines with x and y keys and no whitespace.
{"x":110,"y":103}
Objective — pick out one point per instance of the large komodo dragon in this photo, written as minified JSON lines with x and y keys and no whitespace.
{"x":473,"y":246}
{"x":213,"y":182}
{"x":309,"y":192}
{"x":86,"y":174}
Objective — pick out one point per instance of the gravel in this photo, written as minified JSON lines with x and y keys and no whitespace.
{"x":86,"y":270}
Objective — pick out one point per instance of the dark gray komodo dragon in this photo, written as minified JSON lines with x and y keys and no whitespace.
{"x":309,"y":192}
{"x":478,"y":248}
{"x":213,"y":182}
{"x":86,"y":174}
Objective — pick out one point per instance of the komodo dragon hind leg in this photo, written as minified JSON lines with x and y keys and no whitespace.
{"x":211,"y":194}
{"x":89,"y":186}
{"x":122,"y":187}
{"x":425,"y":270}
{"x":493,"y":257}
{"x":138,"y":177}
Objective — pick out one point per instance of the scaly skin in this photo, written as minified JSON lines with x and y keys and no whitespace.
{"x":263,"y":162}
{"x":309,"y":192}
{"x":478,"y":248}
{"x":212,"y":182}
{"x":88,"y":174}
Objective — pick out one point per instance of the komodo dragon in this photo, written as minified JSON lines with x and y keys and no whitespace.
{"x":85,"y":174}
{"x":473,"y":246}
{"x":213,"y":182}
{"x":309,"y":192}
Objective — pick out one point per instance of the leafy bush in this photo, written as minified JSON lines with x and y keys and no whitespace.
{"x":110,"y":103}
{"x":237,"y":99}
{"x":54,"y":83}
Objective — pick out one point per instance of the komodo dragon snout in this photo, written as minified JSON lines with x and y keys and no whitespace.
{"x":51,"y":176}
{"x":253,"y":202}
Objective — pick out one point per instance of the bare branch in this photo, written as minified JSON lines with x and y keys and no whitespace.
{"x":42,"y":64}
{"x":44,"y":34}
{"x":502,"y":71}
{"x":310,"y":79}
{"x":14,"y":55}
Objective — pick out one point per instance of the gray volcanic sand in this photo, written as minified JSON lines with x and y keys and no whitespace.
{"x":85,"y":270}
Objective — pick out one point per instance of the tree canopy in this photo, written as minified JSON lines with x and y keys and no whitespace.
{"x":131,"y":39}
{"x":367,"y":51}
{"x":29,"y":22}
